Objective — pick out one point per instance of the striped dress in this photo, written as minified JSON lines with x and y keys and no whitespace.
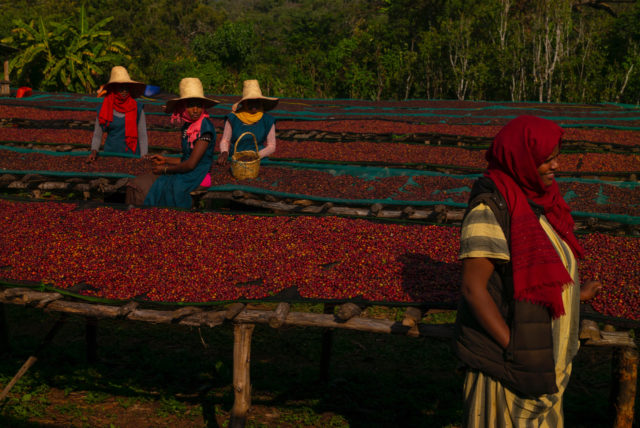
{"x":487,"y":402}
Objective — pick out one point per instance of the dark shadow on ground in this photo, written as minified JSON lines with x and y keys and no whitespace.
{"x":430,"y":283}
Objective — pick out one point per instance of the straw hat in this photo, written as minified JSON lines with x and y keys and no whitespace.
{"x":190,"y":88}
{"x":119,"y":75}
{"x":251,"y":91}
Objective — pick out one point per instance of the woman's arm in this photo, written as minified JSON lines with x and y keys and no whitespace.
{"x":96,"y":141}
{"x":475,"y":277}
{"x":270,"y":147}
{"x":163,"y":160}
{"x":589,"y":289}
{"x":225,"y":141}
{"x":143,"y":139}
{"x":199,"y":147}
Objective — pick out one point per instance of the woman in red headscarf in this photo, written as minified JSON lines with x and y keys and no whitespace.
{"x":517,"y":323}
{"x":121,"y":117}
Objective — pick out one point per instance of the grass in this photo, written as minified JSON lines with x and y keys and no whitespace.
{"x":168,"y":375}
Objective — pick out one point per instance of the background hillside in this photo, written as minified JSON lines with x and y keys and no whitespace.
{"x":542,"y":50}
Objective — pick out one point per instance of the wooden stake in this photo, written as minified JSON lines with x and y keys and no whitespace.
{"x":279,"y":315}
{"x":32,"y":359}
{"x":623,"y":388}
{"x":347,"y":311}
{"x":5,"y":89}
{"x":234,"y":309}
{"x":589,"y":330}
{"x":241,"y":374}
{"x":412,"y":318}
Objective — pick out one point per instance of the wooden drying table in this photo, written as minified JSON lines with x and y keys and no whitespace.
{"x":344,"y":316}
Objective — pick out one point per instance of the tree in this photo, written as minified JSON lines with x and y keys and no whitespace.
{"x":231,"y":44}
{"x":63,"y":55}
{"x":551,"y":27}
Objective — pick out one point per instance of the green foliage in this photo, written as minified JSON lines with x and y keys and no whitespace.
{"x":543,"y":50}
{"x":231,"y":44}
{"x":64,"y":56}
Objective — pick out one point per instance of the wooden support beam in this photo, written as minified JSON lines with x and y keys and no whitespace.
{"x":279,"y":315}
{"x":26,"y":296}
{"x":241,"y":374}
{"x":625,"y":358}
{"x":236,"y":312}
{"x":234,"y":309}
{"x":623,"y":389}
{"x":185,"y":312}
{"x":439,"y":212}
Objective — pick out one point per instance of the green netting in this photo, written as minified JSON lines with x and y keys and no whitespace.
{"x":336,"y":169}
{"x":619,"y":218}
{"x":368,"y":111}
{"x":367,"y":173}
{"x":74,"y":153}
{"x":624,"y":219}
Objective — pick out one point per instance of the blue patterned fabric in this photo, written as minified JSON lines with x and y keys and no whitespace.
{"x":172,"y":190}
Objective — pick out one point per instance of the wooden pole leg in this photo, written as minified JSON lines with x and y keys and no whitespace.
{"x":91,"y":334}
{"x":4,"y":332}
{"x":623,"y":389}
{"x":33,"y":358}
{"x":241,"y":374}
{"x":5,"y":89}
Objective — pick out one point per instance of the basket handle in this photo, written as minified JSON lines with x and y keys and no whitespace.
{"x":255,"y":141}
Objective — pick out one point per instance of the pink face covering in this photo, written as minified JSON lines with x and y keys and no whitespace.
{"x":180,"y":115}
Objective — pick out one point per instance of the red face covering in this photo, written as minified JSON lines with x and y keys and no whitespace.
{"x":514,"y":157}
{"x":126,"y":105}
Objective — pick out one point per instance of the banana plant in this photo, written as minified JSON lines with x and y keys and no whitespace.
{"x":64,"y":56}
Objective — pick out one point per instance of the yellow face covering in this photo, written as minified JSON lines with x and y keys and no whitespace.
{"x":249,"y":118}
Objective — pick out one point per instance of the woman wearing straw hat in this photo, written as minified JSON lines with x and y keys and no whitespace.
{"x":173,"y":179}
{"x":249,"y":115}
{"x":121,"y":117}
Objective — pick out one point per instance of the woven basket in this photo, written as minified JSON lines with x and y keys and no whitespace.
{"x":245,"y":164}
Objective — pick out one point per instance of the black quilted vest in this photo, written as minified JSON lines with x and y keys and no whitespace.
{"x":526,"y":366}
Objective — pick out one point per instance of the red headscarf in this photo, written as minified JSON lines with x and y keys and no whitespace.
{"x":126,"y":105}
{"x":514,"y":157}
{"x":180,"y":115}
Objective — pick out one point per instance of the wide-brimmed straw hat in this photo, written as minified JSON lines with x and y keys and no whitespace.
{"x":251,"y":91}
{"x":190,"y":88}
{"x":119,"y":75}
